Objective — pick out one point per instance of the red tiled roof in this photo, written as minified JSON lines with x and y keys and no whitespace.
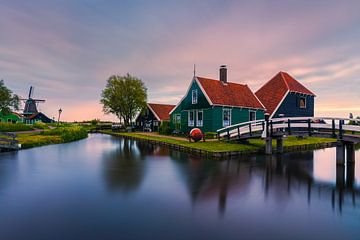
{"x":274,"y":90}
{"x":229,"y":94}
{"x":161,"y":110}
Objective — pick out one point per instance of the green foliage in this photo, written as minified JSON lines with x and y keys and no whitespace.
{"x":8,"y":101}
{"x":124,"y":96}
{"x":40,"y":125}
{"x":15,"y":127}
{"x":164,"y":128}
{"x":210,"y":135}
{"x":67,"y":134}
{"x":95,"y":122}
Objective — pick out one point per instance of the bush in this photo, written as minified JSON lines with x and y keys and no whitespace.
{"x":40,"y":125}
{"x":210,"y":135}
{"x":164,"y":128}
{"x":68,"y":134}
{"x":15,"y":127}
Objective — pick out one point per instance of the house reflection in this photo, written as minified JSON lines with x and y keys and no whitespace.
{"x":279,"y":176}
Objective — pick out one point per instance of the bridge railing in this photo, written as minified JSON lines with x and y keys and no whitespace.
{"x":335,"y":127}
{"x":8,"y":141}
{"x":236,"y":130}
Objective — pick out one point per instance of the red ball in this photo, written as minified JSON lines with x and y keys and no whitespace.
{"x":196,"y":134}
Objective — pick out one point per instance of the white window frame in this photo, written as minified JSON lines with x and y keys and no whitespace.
{"x":194,"y":96}
{"x":198,"y":123}
{"x":223,"y":115}
{"x":252,"y":111}
{"x":304,"y":107}
{"x":176,"y":118}
{"x":191,"y":123}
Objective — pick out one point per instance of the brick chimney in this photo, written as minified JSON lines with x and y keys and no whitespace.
{"x":223,"y":73}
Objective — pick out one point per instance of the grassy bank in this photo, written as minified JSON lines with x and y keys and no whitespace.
{"x":253,"y":145}
{"x":11,"y":127}
{"x":53,"y":136}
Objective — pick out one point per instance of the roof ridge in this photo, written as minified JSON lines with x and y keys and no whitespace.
{"x":242,"y":84}
{"x":283,"y":78}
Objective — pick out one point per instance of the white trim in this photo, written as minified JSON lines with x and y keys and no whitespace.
{"x":250,"y":111}
{"x":241,"y":107}
{"x":259,"y":101}
{"x":203,"y":91}
{"x":193,"y":123}
{"x":152,"y":110}
{"x":187,"y":92}
{"x":194,"y":99}
{"x":277,"y":107}
{"x":227,"y":109}
{"x":301,"y":97}
{"x":197,"y":118}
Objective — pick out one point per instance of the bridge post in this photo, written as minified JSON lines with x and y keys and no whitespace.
{"x":340,"y":153}
{"x":341,"y":122}
{"x":289,"y":127}
{"x":309,"y":127}
{"x":340,"y":176}
{"x":333,"y":129}
{"x":350,"y":175}
{"x":268,"y":145}
{"x":280,"y":145}
{"x":350,"y":153}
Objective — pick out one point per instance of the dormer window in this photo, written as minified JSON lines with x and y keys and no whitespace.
{"x":302,"y":102}
{"x":194,"y":96}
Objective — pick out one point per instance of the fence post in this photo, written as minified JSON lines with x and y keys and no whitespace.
{"x":341,"y":122}
{"x":218,"y":136}
{"x":289,"y":127}
{"x":271,"y":128}
{"x":333,"y":128}
{"x":238,"y":130}
{"x":309,"y":127}
{"x":228,"y":134}
{"x":250,"y":129}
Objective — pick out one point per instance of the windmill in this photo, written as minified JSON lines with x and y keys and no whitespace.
{"x":31,"y":103}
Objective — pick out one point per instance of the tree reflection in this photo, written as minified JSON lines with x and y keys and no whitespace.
{"x":124,"y":167}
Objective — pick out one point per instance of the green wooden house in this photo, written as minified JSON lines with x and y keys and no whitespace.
{"x":11,"y":117}
{"x":213,"y":104}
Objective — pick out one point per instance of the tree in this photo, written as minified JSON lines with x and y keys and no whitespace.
{"x":8,"y":100}
{"x":124,"y":96}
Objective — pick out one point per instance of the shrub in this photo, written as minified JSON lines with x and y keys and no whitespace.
{"x":68,"y":134}
{"x":210,"y":135}
{"x":15,"y":127}
{"x":164,"y":128}
{"x":40,"y":125}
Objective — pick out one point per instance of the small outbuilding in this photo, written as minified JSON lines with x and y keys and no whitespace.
{"x":284,"y":96}
{"x":12,"y":117}
{"x":150,"y":119}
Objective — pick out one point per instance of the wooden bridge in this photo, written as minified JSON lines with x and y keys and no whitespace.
{"x":346,"y":134}
{"x":8,"y":142}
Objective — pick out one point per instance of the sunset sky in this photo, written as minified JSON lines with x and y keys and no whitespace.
{"x":67,"y":49}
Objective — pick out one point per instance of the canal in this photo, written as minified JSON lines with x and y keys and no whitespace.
{"x":105,"y":187}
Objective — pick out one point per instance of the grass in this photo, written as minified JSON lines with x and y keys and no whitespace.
{"x":15,"y":127}
{"x":222,"y":146}
{"x":53,"y":136}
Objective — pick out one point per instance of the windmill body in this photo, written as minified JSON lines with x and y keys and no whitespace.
{"x":31,"y":113}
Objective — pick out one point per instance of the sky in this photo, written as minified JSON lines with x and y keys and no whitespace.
{"x":68,"y":49}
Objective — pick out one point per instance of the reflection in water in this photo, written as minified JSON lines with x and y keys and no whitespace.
{"x":82,"y":190}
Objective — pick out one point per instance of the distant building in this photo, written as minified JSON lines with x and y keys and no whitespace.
{"x":211,"y":104}
{"x":283,"y":96}
{"x":12,"y":117}
{"x":151,"y":118}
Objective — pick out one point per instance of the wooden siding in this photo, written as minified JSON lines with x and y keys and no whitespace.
{"x":290,"y":106}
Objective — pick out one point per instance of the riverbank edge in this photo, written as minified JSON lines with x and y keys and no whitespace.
{"x":223,"y":154}
{"x":38,"y":140}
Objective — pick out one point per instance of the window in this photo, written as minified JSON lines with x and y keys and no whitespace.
{"x":252,"y":115}
{"x":177,"y":118}
{"x":226,"y":117}
{"x":194,"y":96}
{"x":191,"y":119}
{"x":302,"y":102}
{"x":200,"y":118}
{"x":156,"y":123}
{"x":9,"y":120}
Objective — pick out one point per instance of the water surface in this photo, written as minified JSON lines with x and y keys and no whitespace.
{"x":105,"y":187}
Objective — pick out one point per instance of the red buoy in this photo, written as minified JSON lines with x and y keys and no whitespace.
{"x":196,"y":134}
